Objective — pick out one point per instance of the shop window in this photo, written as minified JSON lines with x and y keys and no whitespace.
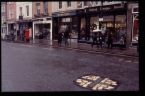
{"x":79,"y":4}
{"x":135,"y":9}
{"x":120,"y":26}
{"x":83,"y":29}
{"x":135,"y":28}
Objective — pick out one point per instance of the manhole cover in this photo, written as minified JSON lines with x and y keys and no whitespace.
{"x":96,"y":83}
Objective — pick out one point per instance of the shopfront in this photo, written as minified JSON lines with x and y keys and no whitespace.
{"x":64,"y":20}
{"x":42,"y":26}
{"x":20,"y":27}
{"x":113,"y":19}
{"x":81,"y":22}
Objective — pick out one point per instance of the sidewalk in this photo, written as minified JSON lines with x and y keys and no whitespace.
{"x":132,"y":51}
{"x":87,"y":47}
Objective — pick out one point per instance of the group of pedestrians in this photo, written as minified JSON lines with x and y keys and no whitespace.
{"x":63,"y":36}
{"x":21,"y":35}
{"x":101,"y":40}
{"x":106,"y":40}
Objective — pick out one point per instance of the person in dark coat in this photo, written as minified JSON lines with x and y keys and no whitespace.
{"x":110,"y":40}
{"x":27,"y":37}
{"x":66,"y":36}
{"x":59,"y":38}
{"x":94,"y":39}
{"x":100,"y":39}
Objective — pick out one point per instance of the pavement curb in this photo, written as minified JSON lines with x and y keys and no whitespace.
{"x":82,"y":50}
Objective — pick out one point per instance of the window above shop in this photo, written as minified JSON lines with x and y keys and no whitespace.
{"x":135,"y":9}
{"x":68,"y":3}
{"x":27,"y":8}
{"x":79,"y":4}
{"x":3,"y":8}
{"x":38,"y":8}
{"x":85,"y":3}
{"x":20,"y":8}
{"x":60,"y":4}
{"x":45,"y":7}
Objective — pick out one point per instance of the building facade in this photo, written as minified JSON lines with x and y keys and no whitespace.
{"x":82,"y":15}
{"x":24,"y":17}
{"x":64,"y":15}
{"x":11,"y":17}
{"x":42,"y":22}
{"x":3,"y":19}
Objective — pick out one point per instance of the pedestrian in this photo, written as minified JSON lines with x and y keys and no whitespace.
{"x":100,"y":39}
{"x":27,"y":34}
{"x":123,"y":41}
{"x":12,"y":36}
{"x":66,"y":36}
{"x":83,"y":33}
{"x":94,"y":39}
{"x":59,"y":38}
{"x":110,"y":40}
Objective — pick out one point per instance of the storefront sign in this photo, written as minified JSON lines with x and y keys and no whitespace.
{"x":93,"y":9}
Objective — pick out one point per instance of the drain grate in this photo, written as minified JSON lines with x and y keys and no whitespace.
{"x":96,"y":83}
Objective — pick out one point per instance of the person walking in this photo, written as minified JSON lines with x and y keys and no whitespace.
{"x":100,"y":40}
{"x":59,"y":38}
{"x":27,"y":34}
{"x":66,"y":36}
{"x":94,"y":39}
{"x":110,"y":40}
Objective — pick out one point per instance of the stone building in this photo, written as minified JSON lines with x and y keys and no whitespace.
{"x":24,"y":16}
{"x":11,"y":17}
{"x":42,"y":21}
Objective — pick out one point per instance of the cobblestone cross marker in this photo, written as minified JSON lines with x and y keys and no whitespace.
{"x":96,"y":83}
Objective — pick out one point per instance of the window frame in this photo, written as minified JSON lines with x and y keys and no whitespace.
{"x":20,"y":9}
{"x":45,"y":7}
{"x":27,"y":9}
{"x":38,"y":8}
{"x":60,"y":3}
{"x":68,"y":3}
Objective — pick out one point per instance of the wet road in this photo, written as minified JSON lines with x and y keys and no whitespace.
{"x":34,"y":68}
